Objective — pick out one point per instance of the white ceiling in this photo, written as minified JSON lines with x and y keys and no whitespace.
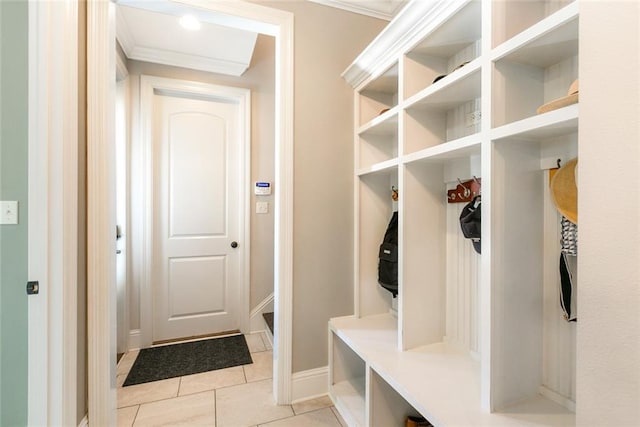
{"x":149,"y":31}
{"x":382,"y":9}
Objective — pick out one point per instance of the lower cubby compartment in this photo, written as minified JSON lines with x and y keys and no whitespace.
{"x":388,"y":407}
{"x":375,"y":384}
{"x":438,"y":381}
{"x":347,"y":388}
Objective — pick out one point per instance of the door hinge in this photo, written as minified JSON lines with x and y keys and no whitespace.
{"x":33,"y":288}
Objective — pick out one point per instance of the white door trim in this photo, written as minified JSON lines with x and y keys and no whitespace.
{"x":101,"y":304}
{"x":148,"y":86}
{"x":101,"y":213}
{"x":53,"y":212}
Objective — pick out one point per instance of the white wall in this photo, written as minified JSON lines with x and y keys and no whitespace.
{"x":326,"y":41}
{"x":608,"y":355}
{"x":260,"y":79}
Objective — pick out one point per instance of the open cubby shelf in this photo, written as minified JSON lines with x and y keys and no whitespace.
{"x":450,"y":346}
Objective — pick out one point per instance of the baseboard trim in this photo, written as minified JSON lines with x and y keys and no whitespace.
{"x":558,"y":398}
{"x":256,"y":322}
{"x":84,"y":422}
{"x":134,"y":339}
{"x":267,"y":334}
{"x":309,"y":384}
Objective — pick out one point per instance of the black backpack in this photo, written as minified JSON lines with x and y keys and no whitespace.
{"x":388,"y":258}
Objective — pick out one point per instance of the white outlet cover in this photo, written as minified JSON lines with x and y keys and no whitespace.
{"x":9,"y":212}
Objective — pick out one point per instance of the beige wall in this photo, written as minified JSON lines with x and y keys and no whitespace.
{"x":260,"y":79}
{"x":608,"y":339}
{"x":326,"y":41}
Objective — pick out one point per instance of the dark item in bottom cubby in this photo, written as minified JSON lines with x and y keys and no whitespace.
{"x":417,"y":421}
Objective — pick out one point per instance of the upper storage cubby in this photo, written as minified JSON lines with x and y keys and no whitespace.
{"x":379,"y":96}
{"x":536,"y":66}
{"x":513,"y":17}
{"x":378,"y":140}
{"x":445,"y":111}
{"x":443,"y":51}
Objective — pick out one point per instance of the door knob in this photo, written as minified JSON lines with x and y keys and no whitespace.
{"x":234,"y":244}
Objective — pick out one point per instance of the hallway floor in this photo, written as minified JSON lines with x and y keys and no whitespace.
{"x":234,"y":397}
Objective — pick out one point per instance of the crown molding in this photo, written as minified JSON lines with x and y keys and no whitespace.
{"x":361,"y":8}
{"x":419,"y":17}
{"x":188,"y":61}
{"x":121,"y":68}
{"x":123,"y":33}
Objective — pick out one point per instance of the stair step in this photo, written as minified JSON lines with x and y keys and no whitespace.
{"x":268,"y":317}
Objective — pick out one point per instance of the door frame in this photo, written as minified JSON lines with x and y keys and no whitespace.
{"x":53,"y":212}
{"x":101,"y":191}
{"x":148,"y":86}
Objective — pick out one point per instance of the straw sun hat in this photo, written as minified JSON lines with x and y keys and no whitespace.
{"x":571,"y":98}
{"x":564,"y":190}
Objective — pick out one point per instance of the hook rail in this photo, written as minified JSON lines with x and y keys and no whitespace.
{"x":465,"y":191}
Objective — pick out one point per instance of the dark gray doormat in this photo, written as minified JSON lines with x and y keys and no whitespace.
{"x":176,"y":360}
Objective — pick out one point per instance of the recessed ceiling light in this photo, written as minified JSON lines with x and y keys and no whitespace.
{"x":190,"y":22}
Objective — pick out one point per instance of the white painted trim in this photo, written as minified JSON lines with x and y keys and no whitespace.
{"x":421,"y":17}
{"x":121,"y":69}
{"x":144,"y":260}
{"x":360,"y":8}
{"x":123,"y":34}
{"x":558,"y":398}
{"x":212,"y":65}
{"x":252,"y":17}
{"x":101,"y":244}
{"x":256,"y":321}
{"x":134,"y":340}
{"x":245,"y":207}
{"x":53,"y":212}
{"x":283,"y":252}
{"x":267,"y":335}
{"x":84,"y":422}
{"x":310,"y":384}
{"x":241,"y":96}
{"x":37,"y":214}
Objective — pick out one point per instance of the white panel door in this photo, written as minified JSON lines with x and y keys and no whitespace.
{"x":197,"y":289}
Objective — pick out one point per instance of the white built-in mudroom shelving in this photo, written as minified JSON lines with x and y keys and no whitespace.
{"x":471,"y":339}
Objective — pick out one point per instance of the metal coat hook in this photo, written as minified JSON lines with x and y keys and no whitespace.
{"x":465,"y":191}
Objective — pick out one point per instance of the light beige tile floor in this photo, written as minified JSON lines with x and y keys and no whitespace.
{"x":234,"y":397}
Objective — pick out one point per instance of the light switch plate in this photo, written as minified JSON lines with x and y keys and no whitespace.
{"x":8,"y":212}
{"x":262,"y":207}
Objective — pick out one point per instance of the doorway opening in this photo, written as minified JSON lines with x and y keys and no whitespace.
{"x":101,"y":173}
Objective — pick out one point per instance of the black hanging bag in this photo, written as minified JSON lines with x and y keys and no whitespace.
{"x":388,"y":258}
